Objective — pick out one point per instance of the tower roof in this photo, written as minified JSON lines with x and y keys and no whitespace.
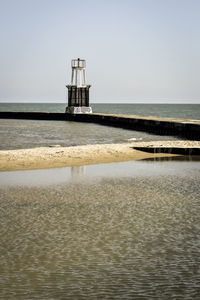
{"x":78,"y":63}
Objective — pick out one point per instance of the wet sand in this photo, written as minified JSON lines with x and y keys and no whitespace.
{"x":56,"y":156}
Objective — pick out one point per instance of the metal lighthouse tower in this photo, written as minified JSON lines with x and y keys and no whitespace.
{"x":78,"y":90}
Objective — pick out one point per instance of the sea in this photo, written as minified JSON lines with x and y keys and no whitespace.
{"x":127,"y":230}
{"x":186,"y":111}
{"x":16,"y":134}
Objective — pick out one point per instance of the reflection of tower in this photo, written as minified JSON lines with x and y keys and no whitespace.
{"x":78,"y":90}
{"x":78,"y":172}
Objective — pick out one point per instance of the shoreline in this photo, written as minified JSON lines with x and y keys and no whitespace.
{"x":57,"y":156}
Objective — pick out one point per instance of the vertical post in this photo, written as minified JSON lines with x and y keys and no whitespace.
{"x":84,"y":76}
{"x":72,"y":76}
{"x":87,"y":97}
{"x":80,"y":78}
{"x":76,"y":98}
{"x":76,"y":76}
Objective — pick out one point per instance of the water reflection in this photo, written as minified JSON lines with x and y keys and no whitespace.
{"x":77,"y":172}
{"x":150,"y":167}
{"x":174,"y":158}
{"x":111,"y":236}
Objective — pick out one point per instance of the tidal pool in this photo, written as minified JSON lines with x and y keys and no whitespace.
{"x":113,"y":231}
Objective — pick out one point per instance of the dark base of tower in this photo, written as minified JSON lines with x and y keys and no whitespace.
{"x":78,"y":96}
{"x":78,"y":110}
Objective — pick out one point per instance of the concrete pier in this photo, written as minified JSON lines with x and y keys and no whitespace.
{"x":189,"y":129}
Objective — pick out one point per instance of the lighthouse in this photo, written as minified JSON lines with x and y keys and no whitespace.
{"x":78,"y":90}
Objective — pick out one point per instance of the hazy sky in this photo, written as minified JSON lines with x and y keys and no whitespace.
{"x":135,"y":50}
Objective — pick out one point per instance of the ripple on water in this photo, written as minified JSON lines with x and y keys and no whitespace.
{"x":109,"y":238}
{"x":30,"y":133}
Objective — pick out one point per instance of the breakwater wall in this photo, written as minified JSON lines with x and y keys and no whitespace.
{"x":189,"y":129}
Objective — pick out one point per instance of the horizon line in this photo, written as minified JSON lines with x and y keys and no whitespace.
{"x":65,"y":102}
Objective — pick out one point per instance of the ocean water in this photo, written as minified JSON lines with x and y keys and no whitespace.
{"x":16,"y":134}
{"x":111,"y":231}
{"x":186,"y":111}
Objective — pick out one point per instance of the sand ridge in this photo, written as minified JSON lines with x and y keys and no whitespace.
{"x":54,"y":157}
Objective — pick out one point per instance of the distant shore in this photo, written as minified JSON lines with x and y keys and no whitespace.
{"x":57,"y":156}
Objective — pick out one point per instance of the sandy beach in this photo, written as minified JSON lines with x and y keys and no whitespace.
{"x":56,"y":156}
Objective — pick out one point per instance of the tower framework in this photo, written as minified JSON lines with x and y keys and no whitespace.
{"x":78,"y":90}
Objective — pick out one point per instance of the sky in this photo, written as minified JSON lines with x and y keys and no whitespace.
{"x":136,"y":51}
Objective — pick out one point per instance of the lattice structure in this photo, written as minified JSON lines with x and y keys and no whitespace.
{"x":78,"y":90}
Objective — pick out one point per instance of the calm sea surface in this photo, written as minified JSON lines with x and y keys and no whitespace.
{"x":186,"y":111}
{"x":115,"y":231}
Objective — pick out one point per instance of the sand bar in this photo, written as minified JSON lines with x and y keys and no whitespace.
{"x":55,"y":157}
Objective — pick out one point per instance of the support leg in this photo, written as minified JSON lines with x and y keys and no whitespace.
{"x":72,"y":79}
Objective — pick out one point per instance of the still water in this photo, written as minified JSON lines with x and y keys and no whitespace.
{"x":112,"y":231}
